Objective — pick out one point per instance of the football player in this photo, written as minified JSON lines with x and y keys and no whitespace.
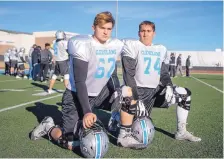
{"x":21,"y":60}
{"x":13,"y":61}
{"x":60,"y":59}
{"x":92,"y":81}
{"x":145,"y":70}
{"x":7,"y":62}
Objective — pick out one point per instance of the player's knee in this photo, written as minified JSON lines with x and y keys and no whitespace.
{"x":54,"y":77}
{"x":56,"y":133}
{"x":184,"y":98}
{"x":66,"y":77}
{"x":127,"y":99}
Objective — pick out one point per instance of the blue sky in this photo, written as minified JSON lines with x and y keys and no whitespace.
{"x":179,"y":25}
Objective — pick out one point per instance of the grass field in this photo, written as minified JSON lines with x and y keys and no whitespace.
{"x":205,"y":120}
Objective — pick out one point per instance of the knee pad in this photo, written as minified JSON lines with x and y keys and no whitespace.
{"x":126,"y":101}
{"x":66,"y":77}
{"x":54,"y":77}
{"x":183,"y":97}
{"x":127,"y":107}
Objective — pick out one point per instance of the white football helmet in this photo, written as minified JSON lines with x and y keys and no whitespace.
{"x":22,"y":49}
{"x":60,"y":35}
{"x":14,"y":49}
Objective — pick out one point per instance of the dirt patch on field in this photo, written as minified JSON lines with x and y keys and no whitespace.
{"x":206,"y":72}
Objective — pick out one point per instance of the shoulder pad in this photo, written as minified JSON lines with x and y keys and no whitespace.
{"x":160,"y":46}
{"x":116,"y":41}
{"x":83,"y":38}
{"x":129,"y":40}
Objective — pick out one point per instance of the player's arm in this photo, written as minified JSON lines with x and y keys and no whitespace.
{"x":113,"y":82}
{"x":23,"y":58}
{"x":80,"y":78}
{"x":165,"y":79}
{"x":128,"y":66}
{"x":50,"y":56}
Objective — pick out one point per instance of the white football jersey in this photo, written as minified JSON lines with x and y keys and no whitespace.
{"x":6,"y":57}
{"x":13,"y":56}
{"x":101,"y":60}
{"x":148,"y":61}
{"x":60,"y":53}
{"x":19,"y":56}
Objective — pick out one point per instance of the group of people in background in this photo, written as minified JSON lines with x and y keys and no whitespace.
{"x":176,"y":65}
{"x":44,"y":64}
{"x":14,"y":62}
{"x":40,"y":62}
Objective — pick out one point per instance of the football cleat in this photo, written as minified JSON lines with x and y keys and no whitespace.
{"x":128,"y":140}
{"x":187,"y":136}
{"x":42,"y":129}
{"x":50,"y":91}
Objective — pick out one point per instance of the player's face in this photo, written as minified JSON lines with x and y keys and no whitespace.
{"x":146,"y":34}
{"x":102,"y":33}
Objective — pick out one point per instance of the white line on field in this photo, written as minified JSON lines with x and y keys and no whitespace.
{"x":10,"y":80}
{"x":23,"y":104}
{"x":207,"y":84}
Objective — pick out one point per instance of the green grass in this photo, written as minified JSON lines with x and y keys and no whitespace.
{"x":213,"y":80}
{"x":205,"y":120}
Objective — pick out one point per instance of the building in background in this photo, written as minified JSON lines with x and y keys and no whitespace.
{"x":10,"y":39}
{"x":202,"y":60}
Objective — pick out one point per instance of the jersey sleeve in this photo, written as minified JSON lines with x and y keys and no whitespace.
{"x":120,"y":46}
{"x":165,"y":57}
{"x":130,"y":49}
{"x":78,"y":47}
{"x":65,"y":44}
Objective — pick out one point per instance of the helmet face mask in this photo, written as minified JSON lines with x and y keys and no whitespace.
{"x":94,"y":142}
{"x":144,"y":130}
{"x":22,"y":49}
{"x":60,"y":35}
{"x":14,"y":49}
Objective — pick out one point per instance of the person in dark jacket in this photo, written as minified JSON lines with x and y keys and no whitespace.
{"x":172,"y":65}
{"x":179,"y":65}
{"x":30,"y":61}
{"x":45,"y":58}
{"x":35,"y":57}
{"x":188,"y":64}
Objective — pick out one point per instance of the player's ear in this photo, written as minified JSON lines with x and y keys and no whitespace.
{"x":94,"y":28}
{"x":154,"y":34}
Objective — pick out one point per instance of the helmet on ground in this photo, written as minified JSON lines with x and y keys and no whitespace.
{"x":143,"y":129}
{"x":94,"y":141}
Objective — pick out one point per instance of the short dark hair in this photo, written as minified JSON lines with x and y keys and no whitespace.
{"x":147,"y":23}
{"x":47,"y":44}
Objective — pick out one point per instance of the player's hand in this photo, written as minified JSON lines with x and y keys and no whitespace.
{"x":88,"y":120}
{"x":169,"y":94}
{"x":141,"y":110}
